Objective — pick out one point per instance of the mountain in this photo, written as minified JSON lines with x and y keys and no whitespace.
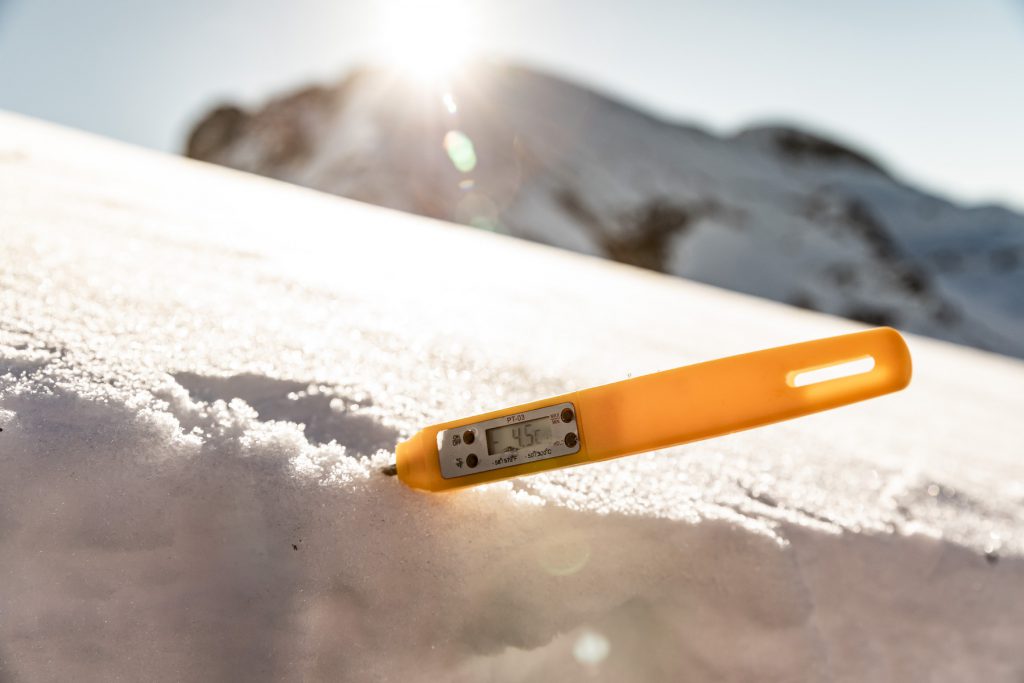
{"x":772,"y":211}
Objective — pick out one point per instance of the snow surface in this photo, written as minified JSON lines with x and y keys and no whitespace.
{"x":202,"y":373}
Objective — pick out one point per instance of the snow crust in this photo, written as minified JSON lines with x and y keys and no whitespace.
{"x":202,"y":373}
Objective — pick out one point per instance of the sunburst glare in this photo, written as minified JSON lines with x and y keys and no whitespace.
{"x":428,"y":39}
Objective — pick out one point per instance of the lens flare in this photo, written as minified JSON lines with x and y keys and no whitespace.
{"x":478,"y":210}
{"x":460,"y":150}
{"x":564,"y":554}
{"x":591,"y":648}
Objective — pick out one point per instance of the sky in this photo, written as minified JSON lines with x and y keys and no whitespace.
{"x":933,"y":88}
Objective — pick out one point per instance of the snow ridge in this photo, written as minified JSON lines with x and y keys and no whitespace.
{"x":188,"y":540}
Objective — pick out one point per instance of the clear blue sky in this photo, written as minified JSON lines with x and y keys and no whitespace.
{"x":935,"y":88}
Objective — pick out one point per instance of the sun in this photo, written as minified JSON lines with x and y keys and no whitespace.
{"x":428,"y":39}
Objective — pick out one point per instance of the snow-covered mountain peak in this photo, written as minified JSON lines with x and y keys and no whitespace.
{"x":772,"y":211}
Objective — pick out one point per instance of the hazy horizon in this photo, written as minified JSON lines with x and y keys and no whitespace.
{"x":925,"y":88}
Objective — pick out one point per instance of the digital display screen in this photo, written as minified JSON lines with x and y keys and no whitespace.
{"x":521,"y":435}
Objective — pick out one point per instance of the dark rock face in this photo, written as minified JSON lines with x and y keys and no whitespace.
{"x":644,"y":234}
{"x":772,"y":211}
{"x":219,"y":130}
{"x":801,"y":146}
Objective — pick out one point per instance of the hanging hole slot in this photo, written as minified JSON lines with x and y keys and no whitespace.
{"x":827,"y":373}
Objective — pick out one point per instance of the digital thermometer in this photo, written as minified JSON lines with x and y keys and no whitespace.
{"x":656,"y":411}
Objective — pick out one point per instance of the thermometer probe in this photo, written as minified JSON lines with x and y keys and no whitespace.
{"x":655,"y":411}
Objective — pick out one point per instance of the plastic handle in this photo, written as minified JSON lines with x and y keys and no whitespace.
{"x":687,"y":404}
{"x":735,"y":393}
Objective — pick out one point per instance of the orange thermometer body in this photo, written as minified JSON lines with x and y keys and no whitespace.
{"x":654,"y":411}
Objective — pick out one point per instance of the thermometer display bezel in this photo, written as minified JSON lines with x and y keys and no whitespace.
{"x":456,"y":456}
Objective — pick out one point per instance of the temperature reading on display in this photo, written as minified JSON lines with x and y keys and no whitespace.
{"x":522,"y":435}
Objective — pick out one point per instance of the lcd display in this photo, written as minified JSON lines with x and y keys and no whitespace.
{"x":522,"y":435}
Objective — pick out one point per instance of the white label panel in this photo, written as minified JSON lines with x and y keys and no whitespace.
{"x":539,"y":434}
